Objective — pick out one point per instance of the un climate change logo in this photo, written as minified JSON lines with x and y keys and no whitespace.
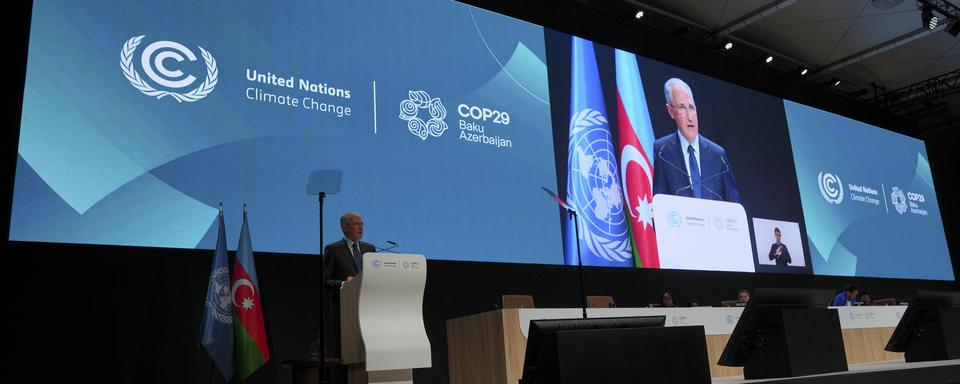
{"x":830,"y":187}
{"x":410,"y":109}
{"x":899,"y":200}
{"x":673,"y":218}
{"x":155,"y":58}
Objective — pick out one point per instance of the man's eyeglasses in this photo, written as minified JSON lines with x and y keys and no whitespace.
{"x":683,"y":108}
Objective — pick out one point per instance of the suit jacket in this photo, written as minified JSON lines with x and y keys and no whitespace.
{"x":670,"y":172}
{"x":338,"y":263}
{"x":784,"y":255}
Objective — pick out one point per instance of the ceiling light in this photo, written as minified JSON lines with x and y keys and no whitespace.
{"x":639,"y":14}
{"x":927,"y":19}
{"x":728,"y":46}
{"x":804,"y":72}
{"x":769,"y":59}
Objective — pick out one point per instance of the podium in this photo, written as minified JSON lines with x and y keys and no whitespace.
{"x":720,"y":228}
{"x":381,"y":320}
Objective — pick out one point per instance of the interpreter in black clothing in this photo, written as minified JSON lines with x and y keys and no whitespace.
{"x":779,"y":251}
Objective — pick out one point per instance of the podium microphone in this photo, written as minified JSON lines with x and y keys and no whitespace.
{"x":393,"y":245}
{"x":726,"y":168}
{"x":660,"y":156}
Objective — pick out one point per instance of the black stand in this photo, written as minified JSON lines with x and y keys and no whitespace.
{"x":323,"y":298}
{"x":796,"y":342}
{"x":306,"y":371}
{"x":661,"y":355}
{"x":938,"y":338}
{"x":576,"y":228}
{"x":323,"y":183}
{"x":583,"y":293}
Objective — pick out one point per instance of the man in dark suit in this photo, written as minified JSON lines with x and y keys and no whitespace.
{"x":688,"y":164}
{"x":779,"y":251}
{"x":342,"y":260}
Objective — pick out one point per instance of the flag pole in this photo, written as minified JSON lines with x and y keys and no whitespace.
{"x":213,"y":363}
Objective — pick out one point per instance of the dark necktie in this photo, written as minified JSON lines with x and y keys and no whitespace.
{"x":694,"y":171}
{"x":355,"y":250}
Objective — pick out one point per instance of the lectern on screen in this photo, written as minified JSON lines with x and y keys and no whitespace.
{"x":930,"y":327}
{"x":540,"y":329}
{"x":785,"y":333}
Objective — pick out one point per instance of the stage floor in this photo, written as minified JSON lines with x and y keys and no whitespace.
{"x":944,"y":371}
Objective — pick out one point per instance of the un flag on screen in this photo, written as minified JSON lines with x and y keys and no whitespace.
{"x":593,"y":180}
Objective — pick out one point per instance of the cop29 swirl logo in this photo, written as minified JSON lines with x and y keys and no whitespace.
{"x":154,"y":62}
{"x":830,"y":187}
{"x":899,"y":200}
{"x":410,"y":109}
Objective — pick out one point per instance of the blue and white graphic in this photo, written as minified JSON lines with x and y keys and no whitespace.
{"x":898,"y":199}
{"x":882,"y":219}
{"x":593,"y":179}
{"x":265,"y":94}
{"x":830,"y":187}
{"x":410,"y":108}
{"x":150,"y":59}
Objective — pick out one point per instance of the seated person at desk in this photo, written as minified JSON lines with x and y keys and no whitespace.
{"x":667,"y":301}
{"x":743,"y":297}
{"x":847,"y":296}
{"x":865,"y":299}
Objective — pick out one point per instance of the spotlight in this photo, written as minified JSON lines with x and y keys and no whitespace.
{"x":804,"y":72}
{"x":639,"y":14}
{"x":927,"y":18}
{"x":836,"y":83}
{"x":769,"y":59}
{"x":728,"y":46}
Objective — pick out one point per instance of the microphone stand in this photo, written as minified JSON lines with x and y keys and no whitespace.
{"x":583,"y":294}
{"x":388,"y":249}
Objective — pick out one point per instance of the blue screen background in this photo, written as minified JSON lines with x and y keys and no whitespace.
{"x":855,"y":238}
{"x":101,"y":163}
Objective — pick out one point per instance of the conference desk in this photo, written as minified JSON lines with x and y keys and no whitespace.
{"x":489,"y":347}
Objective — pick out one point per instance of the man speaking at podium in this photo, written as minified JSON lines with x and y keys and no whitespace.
{"x":688,"y":164}
{"x":341,"y":262}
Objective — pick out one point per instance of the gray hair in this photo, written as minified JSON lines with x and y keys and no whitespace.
{"x":347,"y":216}
{"x":674,"y":82}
